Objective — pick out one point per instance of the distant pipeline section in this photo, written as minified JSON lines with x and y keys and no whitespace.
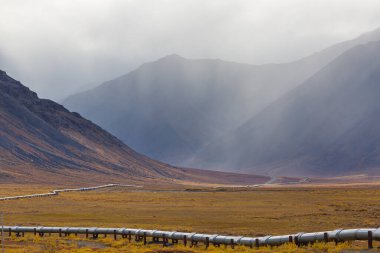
{"x":157,"y":236}
{"x":56,"y":192}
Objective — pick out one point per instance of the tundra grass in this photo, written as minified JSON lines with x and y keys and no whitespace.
{"x":7,"y":190}
{"x":251,"y":213}
{"x":52,"y":244}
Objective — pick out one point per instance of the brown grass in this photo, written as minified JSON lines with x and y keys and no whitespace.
{"x":263,"y":211}
{"x":31,"y":244}
{"x":255,"y":212}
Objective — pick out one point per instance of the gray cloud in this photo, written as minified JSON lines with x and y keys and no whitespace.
{"x":58,"y":46}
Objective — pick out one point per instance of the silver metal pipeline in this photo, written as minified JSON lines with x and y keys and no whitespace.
{"x":338,"y":235}
{"x":56,"y":192}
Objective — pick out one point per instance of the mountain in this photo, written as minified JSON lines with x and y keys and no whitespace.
{"x":327,"y":126}
{"x":172,"y":108}
{"x":42,"y":142}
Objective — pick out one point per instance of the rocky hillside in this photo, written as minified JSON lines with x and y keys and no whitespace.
{"x":41,"y":141}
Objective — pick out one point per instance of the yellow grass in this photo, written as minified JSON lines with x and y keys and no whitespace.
{"x":251,"y":213}
{"x":79,"y":244}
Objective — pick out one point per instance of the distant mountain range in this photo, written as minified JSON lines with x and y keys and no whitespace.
{"x":42,"y":142}
{"x":191,"y":112}
{"x":329,"y":125}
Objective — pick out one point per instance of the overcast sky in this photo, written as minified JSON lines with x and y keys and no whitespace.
{"x":58,"y":46}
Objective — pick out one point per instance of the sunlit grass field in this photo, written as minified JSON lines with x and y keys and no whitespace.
{"x":252,"y":213}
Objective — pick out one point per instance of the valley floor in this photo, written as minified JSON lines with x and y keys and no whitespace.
{"x":250,"y":212}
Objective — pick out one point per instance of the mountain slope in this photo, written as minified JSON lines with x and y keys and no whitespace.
{"x":41,"y":141}
{"x":327,"y":126}
{"x":172,"y":108}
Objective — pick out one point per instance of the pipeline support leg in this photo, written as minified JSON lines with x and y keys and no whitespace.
{"x":296,"y":241}
{"x":326,"y":237}
{"x":370,"y":240}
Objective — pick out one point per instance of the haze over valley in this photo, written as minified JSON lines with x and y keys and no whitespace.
{"x":42,"y":142}
{"x":196,"y":112}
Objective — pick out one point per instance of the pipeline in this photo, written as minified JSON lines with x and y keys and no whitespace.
{"x":56,"y":192}
{"x":339,"y":235}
